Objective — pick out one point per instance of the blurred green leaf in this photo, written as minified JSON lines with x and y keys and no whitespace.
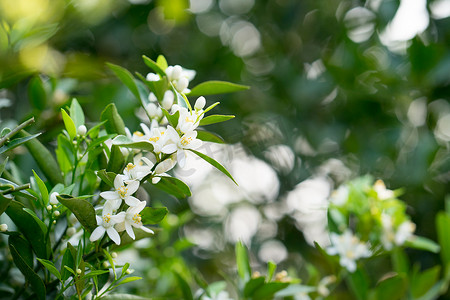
{"x":185,"y":289}
{"x":69,"y":124}
{"x":216,"y":87}
{"x":423,"y":243}
{"x":76,"y":113}
{"x":243,"y":265}
{"x":421,"y":282}
{"x":152,"y":215}
{"x":127,"y":78}
{"x":36,"y":93}
{"x":252,"y":285}
{"x":129,"y":279}
{"x":17,"y":142}
{"x":162,"y":62}
{"x":114,"y":123}
{"x":124,"y":141}
{"x":214,"y":119}
{"x":392,"y":288}
{"x":358,"y":283}
{"x":269,"y":289}
{"x":82,"y":209}
{"x":214,"y":163}
{"x":443,"y":234}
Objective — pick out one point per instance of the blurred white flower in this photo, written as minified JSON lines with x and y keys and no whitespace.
{"x":382,"y":192}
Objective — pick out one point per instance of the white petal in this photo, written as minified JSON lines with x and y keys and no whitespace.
{"x":132,"y":188}
{"x":130,"y":231}
{"x":113,"y":235}
{"x":118,"y":182}
{"x":120,"y":217}
{"x":97,"y":233}
{"x":132,"y":201}
{"x":195,"y":144}
{"x":109,"y":195}
{"x":120,"y":227}
{"x":169,"y":149}
{"x":146,"y":229}
{"x":181,"y":157}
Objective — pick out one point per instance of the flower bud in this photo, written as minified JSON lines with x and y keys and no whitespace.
{"x":152,"y":77}
{"x":114,"y":255}
{"x":81,"y":130}
{"x":73,"y":220}
{"x":49,"y":207}
{"x":182,"y":84}
{"x":71,"y":231}
{"x":57,"y":213}
{"x":78,"y":271}
{"x":54,"y":222}
{"x":200,"y":103}
{"x":168,"y":100}
{"x":53,"y":200}
{"x":3,"y":227}
{"x":152,"y":97}
{"x":176,"y":72}
{"x":152,"y":110}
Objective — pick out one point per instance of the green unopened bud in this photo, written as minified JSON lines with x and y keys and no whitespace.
{"x":78,"y":271}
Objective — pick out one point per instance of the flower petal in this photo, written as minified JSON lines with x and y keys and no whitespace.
{"x":168,"y":149}
{"x":97,"y":233}
{"x":110,"y":195}
{"x":118,"y":182}
{"x":113,"y":235}
{"x":132,"y":201}
{"x":132,"y":187}
{"x":146,"y":229}
{"x":130,"y":231}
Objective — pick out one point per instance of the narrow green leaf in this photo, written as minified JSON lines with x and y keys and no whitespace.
{"x":107,"y":177}
{"x":124,"y":141}
{"x":252,"y":285}
{"x":215,"y":164}
{"x":5,"y":200}
{"x":116,"y":160}
{"x":35,"y":281}
{"x":42,"y":188}
{"x":114,"y":123}
{"x":185,"y":289}
{"x":174,"y":186}
{"x":30,"y":228}
{"x":207,"y":136}
{"x":36,"y":218}
{"x":94,"y":131}
{"x":44,"y":159}
{"x":3,"y":165}
{"x":69,"y":124}
{"x":154,"y":66}
{"x":129,"y":279}
{"x":51,"y":267}
{"x":67,"y":264}
{"x":94,"y":273}
{"x":36,"y":93}
{"x":23,"y":247}
{"x":210,"y":107}
{"x":82,"y":209}
{"x":271,"y":268}
{"x":152,"y":215}
{"x":242,"y":262}
{"x":124,"y":269}
{"x":215,"y":119}
{"x":423,"y":243}
{"x":111,"y":262}
{"x":76,"y":113}
{"x":216,"y":87}
{"x":162,"y":62}
{"x":127,"y":78}
{"x":70,"y":269}
{"x":17,"y":142}
{"x":443,"y":233}
{"x":267,"y":290}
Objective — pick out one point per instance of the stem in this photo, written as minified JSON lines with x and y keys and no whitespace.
{"x":15,"y":131}
{"x":17,"y":188}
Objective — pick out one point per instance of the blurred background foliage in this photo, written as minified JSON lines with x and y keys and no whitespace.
{"x":339,"y":88}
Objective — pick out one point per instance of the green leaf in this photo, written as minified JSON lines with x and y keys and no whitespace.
{"x":127,"y":78}
{"x":443,"y":234}
{"x":67,"y":264}
{"x":94,"y":273}
{"x":207,"y":136}
{"x":51,"y":267}
{"x":111,"y":262}
{"x":116,"y":160}
{"x":271,"y":267}
{"x":44,"y":159}
{"x":269,"y":289}
{"x":216,"y":87}
{"x":76,"y":113}
{"x":154,"y":66}
{"x":242,"y":262}
{"x":35,"y":281}
{"x":107,"y":177}
{"x":129,"y":279}
{"x":122,"y":297}
{"x":359,"y":284}
{"x":42,"y":188}
{"x":400,"y":260}
{"x":173,"y":119}
{"x":17,"y":142}
{"x":423,"y":243}
{"x":4,"y":202}
{"x":424,"y":281}
{"x":215,"y":164}
{"x":185,"y":289}
{"x":30,"y":228}
{"x":174,"y":186}
{"x":156,"y":87}
{"x":215,"y":119}
{"x":252,"y":285}
{"x":65,"y":153}
{"x":82,"y":209}
{"x":3,"y":165}
{"x":181,"y":98}
{"x":162,"y":62}
{"x":93,"y":132}
{"x":393,"y":288}
{"x":96,"y":142}
{"x":152,"y":215}
{"x":124,"y":141}
{"x":69,"y":124}
{"x":114,"y":123}
{"x":36,"y":218}
{"x":295,"y":289}
{"x":23,"y":247}
{"x":37,"y":94}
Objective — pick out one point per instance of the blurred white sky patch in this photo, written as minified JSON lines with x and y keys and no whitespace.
{"x":410,"y":20}
{"x":440,"y":9}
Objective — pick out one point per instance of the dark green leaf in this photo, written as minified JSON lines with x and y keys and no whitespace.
{"x":68,"y":261}
{"x":423,"y":243}
{"x":116,"y":160}
{"x":82,"y":209}
{"x":42,"y":188}
{"x":93,"y":132}
{"x":185,"y":289}
{"x":37,"y":94}
{"x":44,"y":159}
{"x":207,"y":136}
{"x":174,"y":186}
{"x":23,"y":247}
{"x":268,"y":290}
{"x":214,"y":163}
{"x":173,"y":119}
{"x":243,"y":265}
{"x":443,"y":233}
{"x":2,"y":167}
{"x":114,"y":123}
{"x":5,"y":200}
{"x":36,"y":218}
{"x":36,"y":282}
{"x":216,"y":87}
{"x":107,"y":177}
{"x":127,"y":78}
{"x":50,"y":266}
{"x":76,"y":113}
{"x":392,"y":288}
{"x":251,"y":286}
{"x":154,"y":66}
{"x":359,"y":284}
{"x":17,"y":142}
{"x":214,"y":119}
{"x":152,"y":215}
{"x":29,"y":228}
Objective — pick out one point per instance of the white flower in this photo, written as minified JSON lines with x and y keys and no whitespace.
{"x":180,"y":77}
{"x":136,"y":170}
{"x":158,"y":139}
{"x":349,"y":248}
{"x":404,"y":232}
{"x":106,"y":224}
{"x":188,"y":120}
{"x":187,"y":141}
{"x":152,"y":77}
{"x":122,"y":192}
{"x":399,"y":236}
{"x":53,"y":200}
{"x":340,"y":196}
{"x":133,"y":219}
{"x":382,"y":192}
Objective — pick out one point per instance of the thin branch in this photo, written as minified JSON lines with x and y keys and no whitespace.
{"x":15,"y":131}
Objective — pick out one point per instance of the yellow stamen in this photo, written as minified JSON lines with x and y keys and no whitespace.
{"x":107,"y":218}
{"x":186,"y":140}
{"x":137,"y":218}
{"x":122,"y":191}
{"x":129,"y":167}
{"x":138,"y":133}
{"x":154,"y":139}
